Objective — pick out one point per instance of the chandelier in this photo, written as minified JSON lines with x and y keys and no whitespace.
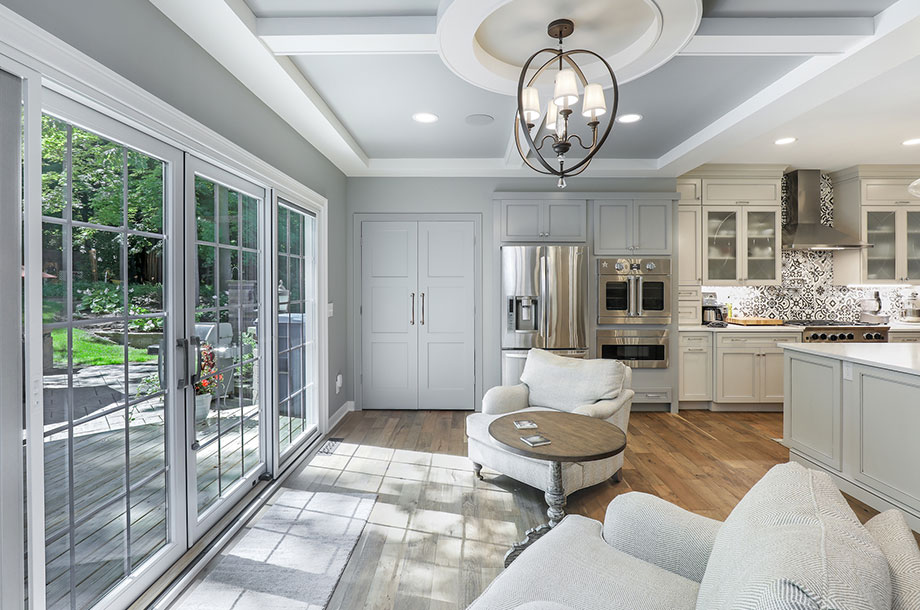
{"x":560,"y":108}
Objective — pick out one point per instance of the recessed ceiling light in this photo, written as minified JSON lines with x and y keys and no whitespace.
{"x":784,"y":141}
{"x":425,"y":117}
{"x":629,"y":118}
{"x":480,"y":119}
{"x":911,"y":142}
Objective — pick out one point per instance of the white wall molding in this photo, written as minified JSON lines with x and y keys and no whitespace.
{"x":348,"y":35}
{"x":226,"y":30}
{"x":339,"y":415}
{"x":778,"y":36}
{"x":68,"y":71}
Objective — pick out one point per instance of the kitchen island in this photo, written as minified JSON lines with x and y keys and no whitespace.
{"x":853,"y":410}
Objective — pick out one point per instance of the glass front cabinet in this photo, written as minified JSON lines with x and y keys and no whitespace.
{"x":894,"y":232}
{"x":741,"y":245}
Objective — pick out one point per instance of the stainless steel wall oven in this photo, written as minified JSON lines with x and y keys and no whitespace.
{"x":636,"y":348}
{"x":634,"y":291}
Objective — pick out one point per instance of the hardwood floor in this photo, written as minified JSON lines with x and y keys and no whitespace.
{"x":437,"y":535}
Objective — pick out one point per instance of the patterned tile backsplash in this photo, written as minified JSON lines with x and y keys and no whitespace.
{"x":807,"y":290}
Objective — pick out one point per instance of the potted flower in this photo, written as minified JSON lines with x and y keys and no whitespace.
{"x":208,"y":383}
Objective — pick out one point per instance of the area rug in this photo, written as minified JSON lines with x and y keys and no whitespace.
{"x":291,"y":558}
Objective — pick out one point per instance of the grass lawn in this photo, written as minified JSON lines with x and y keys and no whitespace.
{"x":89,"y":350}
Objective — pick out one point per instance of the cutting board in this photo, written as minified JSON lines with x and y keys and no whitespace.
{"x":755,"y":321}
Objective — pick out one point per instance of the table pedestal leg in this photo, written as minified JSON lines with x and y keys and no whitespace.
{"x":555,"y":499}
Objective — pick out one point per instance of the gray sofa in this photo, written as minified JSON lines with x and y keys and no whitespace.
{"x":792,"y":543}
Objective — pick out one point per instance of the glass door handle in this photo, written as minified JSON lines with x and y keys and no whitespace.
{"x":195,"y":372}
{"x":184,"y":379}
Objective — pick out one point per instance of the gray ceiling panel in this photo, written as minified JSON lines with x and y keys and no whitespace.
{"x":794,"y":8}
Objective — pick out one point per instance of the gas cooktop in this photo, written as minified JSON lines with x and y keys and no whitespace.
{"x":835,"y":331}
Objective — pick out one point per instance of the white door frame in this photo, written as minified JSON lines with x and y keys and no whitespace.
{"x":476,"y":219}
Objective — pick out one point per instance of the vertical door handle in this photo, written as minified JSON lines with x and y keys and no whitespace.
{"x":639,"y":296}
{"x":184,"y":379}
{"x":422,"y":321}
{"x":195,"y":372}
{"x":412,"y":309}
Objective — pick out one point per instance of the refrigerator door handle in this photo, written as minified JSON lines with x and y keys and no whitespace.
{"x":544,"y":303}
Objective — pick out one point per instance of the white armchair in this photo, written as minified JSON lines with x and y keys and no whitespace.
{"x":594,"y":388}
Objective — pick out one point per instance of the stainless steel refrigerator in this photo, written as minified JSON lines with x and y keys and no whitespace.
{"x":544,"y":304}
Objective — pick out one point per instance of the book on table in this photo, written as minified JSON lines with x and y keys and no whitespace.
{"x":525,"y":424}
{"x":535,"y":440}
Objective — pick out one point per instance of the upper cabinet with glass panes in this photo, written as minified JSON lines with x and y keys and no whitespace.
{"x":873,"y":202}
{"x":741,"y":245}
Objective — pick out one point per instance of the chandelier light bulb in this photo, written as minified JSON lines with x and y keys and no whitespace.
{"x":530,"y":99}
{"x":594,"y":104}
{"x":551,"y":114}
{"x":566,"y":90}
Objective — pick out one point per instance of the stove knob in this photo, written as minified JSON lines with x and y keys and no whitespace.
{"x":814,"y":336}
{"x":619,"y":267}
{"x":850,"y":337}
{"x":867,"y":336}
{"x":651,"y":266}
{"x":823,"y":336}
{"x":877,"y":336}
{"x":833,"y":337}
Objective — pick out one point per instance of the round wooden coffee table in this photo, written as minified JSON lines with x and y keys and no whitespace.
{"x":573,"y":438}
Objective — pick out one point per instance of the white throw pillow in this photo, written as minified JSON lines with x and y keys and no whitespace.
{"x":557,"y":382}
{"x":891,"y":532}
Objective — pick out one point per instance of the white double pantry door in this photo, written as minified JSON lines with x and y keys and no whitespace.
{"x":417,"y":314}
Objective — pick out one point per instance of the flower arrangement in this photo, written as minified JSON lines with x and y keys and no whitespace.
{"x":208,"y":384}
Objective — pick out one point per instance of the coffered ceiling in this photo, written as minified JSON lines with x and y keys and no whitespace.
{"x":714,"y":80}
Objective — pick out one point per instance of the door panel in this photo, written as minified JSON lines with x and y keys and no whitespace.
{"x":446,"y":315}
{"x":613,"y":227}
{"x":689,"y":247}
{"x":771,"y":388}
{"x":391,"y":305}
{"x":653,"y":227}
{"x":225,"y":294}
{"x":738,"y":376}
{"x":565,"y":297}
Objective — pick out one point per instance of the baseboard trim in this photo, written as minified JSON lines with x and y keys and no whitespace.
{"x":337,"y":417}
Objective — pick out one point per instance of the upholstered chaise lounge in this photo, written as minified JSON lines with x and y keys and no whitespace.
{"x":594,"y":388}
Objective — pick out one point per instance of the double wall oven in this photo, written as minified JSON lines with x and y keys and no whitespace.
{"x":634,"y":291}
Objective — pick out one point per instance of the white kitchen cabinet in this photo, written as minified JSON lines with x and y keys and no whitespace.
{"x":880,"y":191}
{"x":689,"y":312}
{"x":695,"y":367}
{"x":691,"y":191}
{"x":749,"y":366}
{"x":894,"y":232}
{"x":813,"y":408}
{"x":632,"y":227}
{"x":544,"y":220}
{"x":742,"y":191}
{"x":689,"y":245}
{"x":742,"y":245}
{"x":903,"y":336}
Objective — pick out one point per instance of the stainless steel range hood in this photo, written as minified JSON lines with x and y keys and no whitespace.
{"x":803,"y":230}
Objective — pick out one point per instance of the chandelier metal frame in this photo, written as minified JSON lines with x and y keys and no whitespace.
{"x":560,"y":29}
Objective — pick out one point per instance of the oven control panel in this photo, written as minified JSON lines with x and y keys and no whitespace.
{"x":854,"y":334}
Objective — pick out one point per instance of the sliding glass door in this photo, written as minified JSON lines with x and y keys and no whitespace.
{"x":296,"y":332}
{"x":226,"y":296}
{"x":108,"y":298}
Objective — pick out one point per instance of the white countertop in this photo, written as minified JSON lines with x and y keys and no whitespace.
{"x":900,"y":357}
{"x":699,"y":328}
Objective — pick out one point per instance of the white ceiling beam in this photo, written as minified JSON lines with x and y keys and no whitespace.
{"x":225,"y":29}
{"x":349,"y":35}
{"x":812,"y":84}
{"x":490,"y":168}
{"x":778,"y":36}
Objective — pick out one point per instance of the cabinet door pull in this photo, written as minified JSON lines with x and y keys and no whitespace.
{"x":696,"y":349}
{"x":422,"y":320}
{"x":412,"y":309}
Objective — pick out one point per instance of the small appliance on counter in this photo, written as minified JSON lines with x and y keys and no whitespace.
{"x":871,"y":310}
{"x":910,"y":312}
{"x":713,"y":310}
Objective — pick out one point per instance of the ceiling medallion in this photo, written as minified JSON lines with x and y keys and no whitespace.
{"x":561,"y":107}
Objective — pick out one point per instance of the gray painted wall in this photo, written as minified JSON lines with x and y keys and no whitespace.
{"x":461,"y":195}
{"x":136,"y":40}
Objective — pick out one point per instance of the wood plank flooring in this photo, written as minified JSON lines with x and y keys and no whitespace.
{"x":437,"y":535}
